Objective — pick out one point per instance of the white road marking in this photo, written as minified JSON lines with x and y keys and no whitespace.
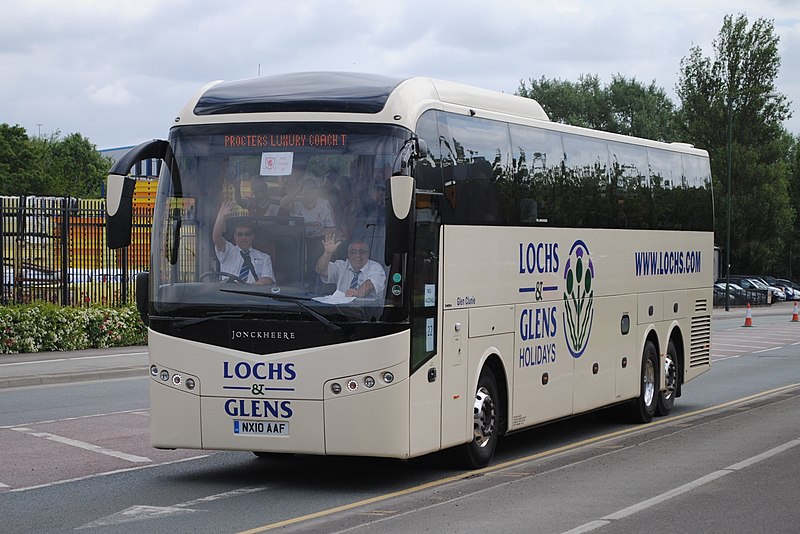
{"x":141,"y":512}
{"x":138,"y":411}
{"x":83,"y":445}
{"x":767,"y":350}
{"x":107,"y":473}
{"x":680,"y":490}
{"x":73,"y":359}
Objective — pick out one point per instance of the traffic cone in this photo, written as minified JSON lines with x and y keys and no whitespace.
{"x":795,"y":317}
{"x":748,"y":317}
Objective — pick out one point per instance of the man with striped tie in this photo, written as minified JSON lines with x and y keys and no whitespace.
{"x":357,"y":276}
{"x":239,"y":257}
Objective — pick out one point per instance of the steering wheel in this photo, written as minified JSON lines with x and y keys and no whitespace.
{"x":231,"y":277}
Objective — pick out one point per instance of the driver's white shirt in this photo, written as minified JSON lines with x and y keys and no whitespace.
{"x":231,"y":261}
{"x":340,"y":272}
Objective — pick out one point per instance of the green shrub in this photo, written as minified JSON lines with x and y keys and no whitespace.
{"x":48,"y":327}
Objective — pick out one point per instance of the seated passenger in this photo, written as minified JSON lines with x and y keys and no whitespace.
{"x":240,"y":258}
{"x":357,"y":276}
{"x":315,"y":211}
{"x":259,"y":203}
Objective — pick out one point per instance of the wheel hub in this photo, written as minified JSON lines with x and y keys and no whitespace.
{"x":484,"y":417}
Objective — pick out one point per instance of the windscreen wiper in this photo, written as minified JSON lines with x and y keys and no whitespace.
{"x":333,"y":327}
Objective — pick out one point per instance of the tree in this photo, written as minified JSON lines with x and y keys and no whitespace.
{"x":625,"y":106}
{"x":19,"y":171}
{"x":51,"y":166}
{"x":793,"y":246}
{"x":738,"y":85}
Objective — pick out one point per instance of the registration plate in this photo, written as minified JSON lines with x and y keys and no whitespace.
{"x":261,"y":428}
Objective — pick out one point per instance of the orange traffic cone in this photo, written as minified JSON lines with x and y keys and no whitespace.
{"x":795,"y":316}
{"x":748,"y":317}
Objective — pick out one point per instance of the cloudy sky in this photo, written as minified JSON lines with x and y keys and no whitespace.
{"x":117,"y":72}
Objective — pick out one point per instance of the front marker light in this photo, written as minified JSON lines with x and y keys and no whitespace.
{"x":336,"y":388}
{"x":176,"y":379}
{"x":190,"y":383}
{"x":388,"y":377}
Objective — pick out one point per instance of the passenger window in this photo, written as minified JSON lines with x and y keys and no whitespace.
{"x":475,"y":156}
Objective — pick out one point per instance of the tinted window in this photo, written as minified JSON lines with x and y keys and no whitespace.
{"x":630,"y":180}
{"x":475,"y":153}
{"x":532,"y":195}
{"x":561,"y":180}
{"x":588,"y":197}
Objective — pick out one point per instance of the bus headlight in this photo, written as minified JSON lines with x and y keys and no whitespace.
{"x":336,"y":388}
{"x":369,"y":381}
{"x":153,"y":370}
{"x":388,"y":377}
{"x":164,"y":375}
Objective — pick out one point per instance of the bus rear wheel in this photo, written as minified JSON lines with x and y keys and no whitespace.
{"x":644,"y":407}
{"x":666,"y":399}
{"x":486,"y":423}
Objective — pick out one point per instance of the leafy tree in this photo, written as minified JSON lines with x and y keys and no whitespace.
{"x":736,"y":88}
{"x":52,"y":166}
{"x":580,"y":104}
{"x":625,"y":106}
{"x":793,"y":247}
{"x":19,"y":170}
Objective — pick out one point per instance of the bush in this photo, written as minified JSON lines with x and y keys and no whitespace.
{"x":48,"y":327}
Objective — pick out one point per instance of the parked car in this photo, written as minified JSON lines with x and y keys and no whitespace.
{"x":737,"y":294}
{"x":786,"y":288}
{"x":777,"y":293}
{"x":757,"y":292}
{"x":795,"y":287}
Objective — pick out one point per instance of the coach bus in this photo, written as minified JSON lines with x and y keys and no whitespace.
{"x":438,"y":265}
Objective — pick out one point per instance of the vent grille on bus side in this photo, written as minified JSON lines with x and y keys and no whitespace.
{"x":700,"y":345}
{"x":700,"y":305}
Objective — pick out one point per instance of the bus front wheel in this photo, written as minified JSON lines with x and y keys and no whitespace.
{"x":485,"y":423}
{"x":644,"y":407}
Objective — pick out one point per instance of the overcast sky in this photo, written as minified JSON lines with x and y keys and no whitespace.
{"x":117,"y":72}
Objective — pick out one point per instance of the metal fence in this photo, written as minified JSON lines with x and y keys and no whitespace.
{"x":53,"y":249}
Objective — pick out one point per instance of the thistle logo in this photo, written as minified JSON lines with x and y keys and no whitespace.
{"x":578,"y":298}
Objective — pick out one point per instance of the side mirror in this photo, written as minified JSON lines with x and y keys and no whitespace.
{"x":143,"y":296}
{"x":119,"y":191}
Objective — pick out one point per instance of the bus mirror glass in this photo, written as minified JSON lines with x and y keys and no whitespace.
{"x":119,"y":210}
{"x":120,"y":187}
{"x":422,"y":149}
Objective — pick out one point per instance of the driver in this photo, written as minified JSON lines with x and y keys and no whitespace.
{"x":240,"y":258}
{"x":358,"y":276}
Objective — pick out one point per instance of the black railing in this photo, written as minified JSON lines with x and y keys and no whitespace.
{"x":742,"y":297}
{"x":53,"y":249}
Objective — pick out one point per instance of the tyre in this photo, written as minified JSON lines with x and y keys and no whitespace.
{"x":644,"y":407}
{"x":666,"y":399}
{"x":486,"y":423}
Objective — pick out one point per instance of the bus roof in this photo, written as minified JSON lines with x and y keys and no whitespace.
{"x":346,"y":96}
{"x":360,"y":97}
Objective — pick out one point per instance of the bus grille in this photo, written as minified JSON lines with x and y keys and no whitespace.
{"x":700,"y":305}
{"x":700,"y":346}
